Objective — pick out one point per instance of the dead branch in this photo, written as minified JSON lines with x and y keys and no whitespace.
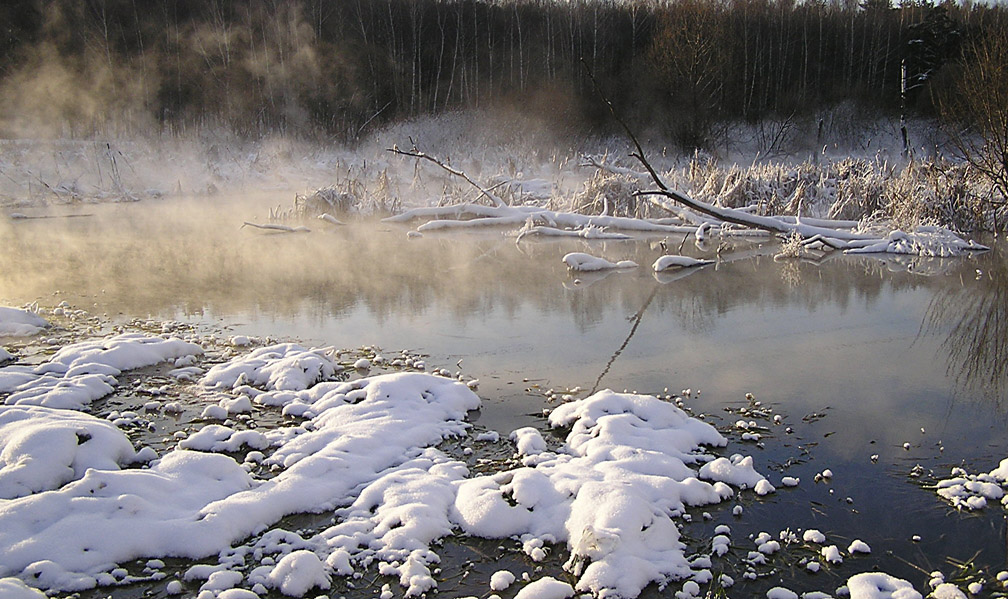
{"x":416,"y":153}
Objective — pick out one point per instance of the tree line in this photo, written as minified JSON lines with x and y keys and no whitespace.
{"x":337,"y":68}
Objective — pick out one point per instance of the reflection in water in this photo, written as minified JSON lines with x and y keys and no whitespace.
{"x":974,"y":322}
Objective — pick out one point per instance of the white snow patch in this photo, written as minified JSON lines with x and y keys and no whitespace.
{"x":546,"y":588}
{"x":16,"y":322}
{"x":43,"y":449}
{"x":501,"y":580}
{"x":611,"y":495}
{"x":675,"y":261}
{"x":586,"y":262}
{"x":297,"y":572}
{"x":13,"y":588}
{"x":781,"y":593}
{"x":83,"y":372}
{"x":281,"y":367}
{"x":878,"y":585}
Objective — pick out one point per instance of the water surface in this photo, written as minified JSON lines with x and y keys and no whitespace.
{"x":858,"y":355}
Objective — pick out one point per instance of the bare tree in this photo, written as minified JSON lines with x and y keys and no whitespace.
{"x":975,"y":109}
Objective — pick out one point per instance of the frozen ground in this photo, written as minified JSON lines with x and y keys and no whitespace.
{"x":190,"y":487}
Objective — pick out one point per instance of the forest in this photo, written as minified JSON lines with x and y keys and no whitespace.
{"x":335,"y":69}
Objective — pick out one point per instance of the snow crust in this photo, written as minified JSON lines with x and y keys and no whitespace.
{"x":15,"y":322}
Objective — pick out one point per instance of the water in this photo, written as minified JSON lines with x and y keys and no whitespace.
{"x":858,"y":355}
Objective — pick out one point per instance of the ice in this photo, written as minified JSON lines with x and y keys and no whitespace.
{"x":43,"y":448}
{"x":546,"y":587}
{"x":878,"y":585}
{"x":586,"y":262}
{"x":16,"y":322}
{"x":5,"y":356}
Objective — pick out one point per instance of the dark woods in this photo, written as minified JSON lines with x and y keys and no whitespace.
{"x":336,"y":68}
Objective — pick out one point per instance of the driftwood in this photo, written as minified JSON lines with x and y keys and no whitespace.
{"x":924,"y":241}
{"x":276,"y":227}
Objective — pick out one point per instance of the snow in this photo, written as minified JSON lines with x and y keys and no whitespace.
{"x":858,"y":546}
{"x":43,"y":449}
{"x":610,"y":495}
{"x":546,"y":587}
{"x":297,"y":572}
{"x":501,"y":580}
{"x":586,"y":262}
{"x":878,"y":585}
{"x":831,"y":554}
{"x":670,"y":262}
{"x":282,"y":367}
{"x":15,"y":322}
{"x":13,"y":588}
{"x":813,"y":536}
{"x":947,"y":590}
{"x":781,"y":593}
{"x":83,"y":372}
{"x":973,"y":491}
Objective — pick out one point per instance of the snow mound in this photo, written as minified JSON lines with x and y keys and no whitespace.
{"x":546,"y":587}
{"x":973,"y":491}
{"x":282,"y":367}
{"x":612,"y":495}
{"x":586,"y":262}
{"x":355,"y":451}
{"x":878,"y":585}
{"x":43,"y":448}
{"x":298,"y":572}
{"x":83,"y":372}
{"x":13,"y":588}
{"x":674,"y":261}
{"x":16,"y":322}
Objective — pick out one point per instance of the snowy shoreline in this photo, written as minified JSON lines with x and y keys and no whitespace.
{"x":613,"y":498}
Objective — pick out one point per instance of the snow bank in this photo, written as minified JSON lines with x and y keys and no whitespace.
{"x":586,"y":262}
{"x":367,"y":446}
{"x":16,"y":322}
{"x":43,"y":448}
{"x":70,"y":535}
{"x":623,"y":475}
{"x":83,"y":372}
